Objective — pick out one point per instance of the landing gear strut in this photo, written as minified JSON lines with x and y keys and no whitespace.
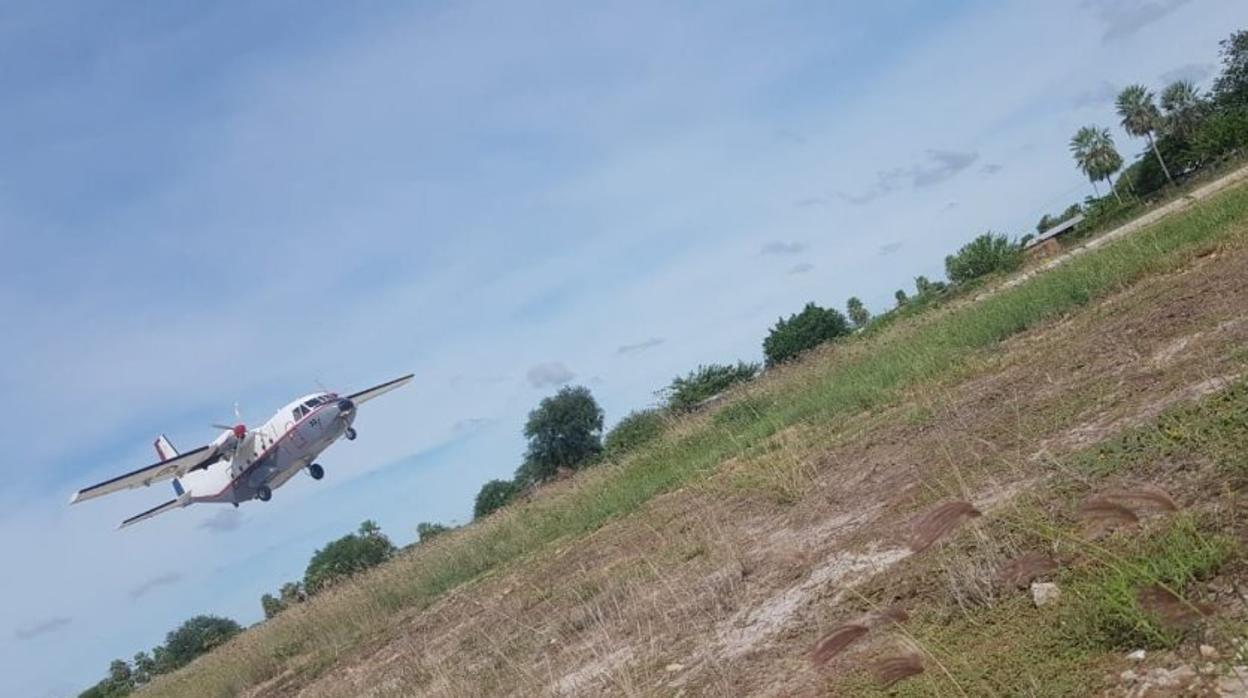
{"x":351,"y":434}
{"x":316,"y":471}
{"x":263,"y":493}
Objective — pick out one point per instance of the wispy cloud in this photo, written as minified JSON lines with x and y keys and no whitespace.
{"x":160,"y":580}
{"x":803,"y":268}
{"x":639,"y":346}
{"x":1099,"y":95}
{"x":43,"y":627}
{"x":939,"y":166}
{"x":1123,"y":18}
{"x":551,"y":373}
{"x":889,"y":248}
{"x":1195,"y":73}
{"x":782,"y":247}
{"x":471,"y":424}
{"x":991,"y":168}
{"x":224,"y":520}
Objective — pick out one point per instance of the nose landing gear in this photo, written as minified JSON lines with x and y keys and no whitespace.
{"x":316,"y":471}
{"x":351,"y":434}
{"x":263,"y":493}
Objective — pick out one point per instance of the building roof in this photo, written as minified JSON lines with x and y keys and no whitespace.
{"x":1056,"y":230}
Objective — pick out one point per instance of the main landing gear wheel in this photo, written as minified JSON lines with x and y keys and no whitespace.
{"x":316,"y":471}
{"x":263,"y":493}
{"x":351,"y":434}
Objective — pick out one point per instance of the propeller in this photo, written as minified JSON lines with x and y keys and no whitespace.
{"x":239,"y":429}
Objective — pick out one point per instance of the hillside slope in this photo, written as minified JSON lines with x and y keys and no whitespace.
{"x":715,"y":562}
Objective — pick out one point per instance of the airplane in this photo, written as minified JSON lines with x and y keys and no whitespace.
{"x":244,"y":464}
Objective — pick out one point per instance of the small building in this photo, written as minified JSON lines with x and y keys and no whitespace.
{"x":1045,"y":243}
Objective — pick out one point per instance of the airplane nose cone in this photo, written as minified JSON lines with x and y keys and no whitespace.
{"x":345,"y":406}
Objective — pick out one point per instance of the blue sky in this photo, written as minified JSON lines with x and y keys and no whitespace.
{"x":203,"y":203}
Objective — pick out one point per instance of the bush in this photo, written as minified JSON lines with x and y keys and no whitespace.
{"x":494,"y":495}
{"x":565,"y":431}
{"x":987,"y":254}
{"x":638,"y":428}
{"x":1225,"y":131}
{"x":344,"y":557}
{"x":426,"y":530}
{"x":805,"y":330}
{"x":685,"y":393}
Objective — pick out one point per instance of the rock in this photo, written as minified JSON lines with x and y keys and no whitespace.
{"x":674,"y":667}
{"x":1129,"y":676}
{"x":1044,"y":593}
{"x":1208,"y":652}
{"x":1137,"y":656}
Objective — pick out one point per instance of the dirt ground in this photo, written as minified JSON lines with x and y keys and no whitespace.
{"x":719,"y":589}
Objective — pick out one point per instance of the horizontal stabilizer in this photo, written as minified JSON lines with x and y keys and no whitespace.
{"x":167,"y":506}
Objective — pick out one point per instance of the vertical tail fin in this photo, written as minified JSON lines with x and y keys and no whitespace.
{"x":164,"y":449}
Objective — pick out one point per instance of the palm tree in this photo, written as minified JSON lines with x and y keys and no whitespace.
{"x":1140,"y":117}
{"x":1094,"y":152}
{"x":1183,"y":106}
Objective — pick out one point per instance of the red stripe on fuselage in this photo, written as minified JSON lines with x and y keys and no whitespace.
{"x":265,"y":452}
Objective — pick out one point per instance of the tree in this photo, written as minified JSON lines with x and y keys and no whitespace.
{"x":292,"y":593}
{"x":635,"y":430}
{"x":119,"y":672}
{"x":1231,"y":87}
{"x":346,"y":556}
{"x":858,"y":313}
{"x":1140,"y":117}
{"x":193,"y":638}
{"x":986,"y":254}
{"x":901,"y":297}
{"x":685,"y":393}
{"x":1184,"y":109}
{"x":144,"y":668}
{"x":1095,"y":154}
{"x":271,"y":605}
{"x":564,"y":431}
{"x":426,"y":531}
{"x":802,"y":331}
{"x":494,"y":495}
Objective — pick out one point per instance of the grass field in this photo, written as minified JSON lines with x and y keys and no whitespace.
{"x":784,"y":455}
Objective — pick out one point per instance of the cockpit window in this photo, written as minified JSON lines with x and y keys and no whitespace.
{"x":299,"y":412}
{"x":311,"y":403}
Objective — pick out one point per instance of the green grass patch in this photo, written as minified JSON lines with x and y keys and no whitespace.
{"x":1213,"y":430}
{"x":1014,"y":648}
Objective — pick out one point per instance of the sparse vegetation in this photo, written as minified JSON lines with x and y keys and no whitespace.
{"x":686,"y":393}
{"x":635,"y":430}
{"x":987,"y":254}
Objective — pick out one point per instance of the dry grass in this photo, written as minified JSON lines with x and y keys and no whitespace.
{"x":652,"y":577}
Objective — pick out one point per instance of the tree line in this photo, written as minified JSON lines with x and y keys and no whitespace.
{"x":1184,"y":131}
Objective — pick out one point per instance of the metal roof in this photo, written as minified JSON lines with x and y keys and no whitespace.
{"x":1056,"y":230}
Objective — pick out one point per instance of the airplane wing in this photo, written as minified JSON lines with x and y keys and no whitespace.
{"x":164,"y":470}
{"x":377,"y":390}
{"x":167,"y":506}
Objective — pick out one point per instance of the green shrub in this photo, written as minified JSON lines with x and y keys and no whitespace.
{"x":687,"y":392}
{"x":493,"y":496}
{"x":344,"y":557}
{"x":987,"y":254}
{"x":805,"y":330}
{"x":637,"y":428}
{"x":426,"y":530}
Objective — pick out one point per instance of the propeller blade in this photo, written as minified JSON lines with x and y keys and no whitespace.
{"x":237,"y":415}
{"x":221,"y":427}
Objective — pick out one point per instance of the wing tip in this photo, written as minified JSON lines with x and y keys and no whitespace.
{"x":75,"y":497}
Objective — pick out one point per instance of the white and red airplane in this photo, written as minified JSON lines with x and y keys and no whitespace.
{"x":244,"y":464}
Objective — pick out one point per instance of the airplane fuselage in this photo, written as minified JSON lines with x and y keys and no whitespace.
{"x":274,"y":452}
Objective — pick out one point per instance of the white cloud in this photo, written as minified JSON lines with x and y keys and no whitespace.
{"x":551,"y":373}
